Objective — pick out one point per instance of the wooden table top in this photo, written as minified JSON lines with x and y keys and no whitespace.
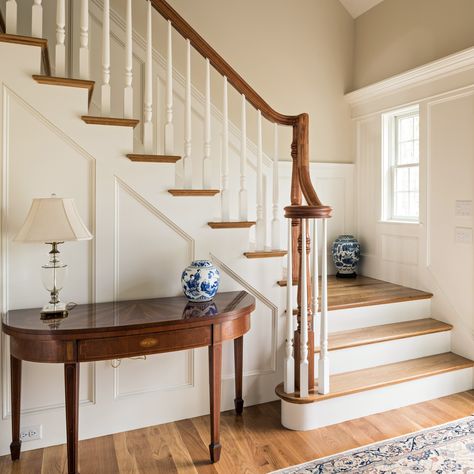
{"x":171,"y":312}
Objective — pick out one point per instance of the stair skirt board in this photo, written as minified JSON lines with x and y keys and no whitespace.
{"x":375,"y":315}
{"x":387,"y":352}
{"x":310,"y":416}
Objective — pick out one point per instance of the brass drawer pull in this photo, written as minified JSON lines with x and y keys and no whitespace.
{"x":149,"y":342}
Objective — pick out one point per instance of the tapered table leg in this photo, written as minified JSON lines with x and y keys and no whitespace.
{"x":215,"y":374}
{"x":15,"y":368}
{"x":239,"y":372}
{"x":71,"y":379}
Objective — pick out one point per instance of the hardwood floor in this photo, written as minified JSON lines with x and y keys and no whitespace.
{"x":254,"y":443}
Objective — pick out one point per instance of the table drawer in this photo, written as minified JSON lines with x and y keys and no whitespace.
{"x":149,"y":343}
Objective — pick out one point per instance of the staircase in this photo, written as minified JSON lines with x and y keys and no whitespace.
{"x":385,"y":352}
{"x":352,"y":347}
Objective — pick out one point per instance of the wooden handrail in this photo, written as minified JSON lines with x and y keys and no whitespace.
{"x":300,"y":147}
{"x":222,"y":66}
{"x":2,"y":23}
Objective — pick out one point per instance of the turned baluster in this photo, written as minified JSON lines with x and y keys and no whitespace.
{"x":148,"y":95}
{"x":37,"y":19}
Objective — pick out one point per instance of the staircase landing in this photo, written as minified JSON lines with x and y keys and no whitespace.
{"x":344,"y":293}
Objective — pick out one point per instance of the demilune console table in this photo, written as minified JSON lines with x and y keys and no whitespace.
{"x":106,"y":331}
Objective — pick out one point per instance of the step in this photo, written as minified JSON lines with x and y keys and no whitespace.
{"x":113,"y":121}
{"x":366,"y":392}
{"x":386,"y":332}
{"x":368,"y":347}
{"x":193,"y":192}
{"x":231,"y":224}
{"x":66,"y":82}
{"x":153,"y":158}
{"x":381,"y":376}
{"x":266,"y":254}
{"x":363,"y":291}
{"x":30,"y":41}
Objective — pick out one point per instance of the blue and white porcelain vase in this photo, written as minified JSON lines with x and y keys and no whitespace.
{"x":200,"y":281}
{"x":346,"y":255}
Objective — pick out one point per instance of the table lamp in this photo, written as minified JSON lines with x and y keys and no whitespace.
{"x":53,"y":221}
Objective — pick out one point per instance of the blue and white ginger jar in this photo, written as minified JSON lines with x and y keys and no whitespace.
{"x":200,"y":281}
{"x":346,"y":256}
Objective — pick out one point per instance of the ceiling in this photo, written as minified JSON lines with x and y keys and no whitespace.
{"x":358,"y":7}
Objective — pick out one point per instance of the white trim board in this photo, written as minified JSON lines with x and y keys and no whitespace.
{"x":440,"y":68}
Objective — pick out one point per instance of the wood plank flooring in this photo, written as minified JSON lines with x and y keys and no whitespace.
{"x":364,"y":291}
{"x":254,"y":443}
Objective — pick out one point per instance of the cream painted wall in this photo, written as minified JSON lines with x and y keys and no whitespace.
{"x":298,"y":59}
{"x":424,"y":255}
{"x":398,"y":35}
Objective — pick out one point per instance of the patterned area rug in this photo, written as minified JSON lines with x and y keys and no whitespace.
{"x":446,"y":448}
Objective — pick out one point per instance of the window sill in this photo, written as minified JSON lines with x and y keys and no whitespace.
{"x":399,"y":222}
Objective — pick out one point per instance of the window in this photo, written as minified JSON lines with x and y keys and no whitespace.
{"x":401,"y":165}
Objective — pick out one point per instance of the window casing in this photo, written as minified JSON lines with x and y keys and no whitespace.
{"x":401,"y":165}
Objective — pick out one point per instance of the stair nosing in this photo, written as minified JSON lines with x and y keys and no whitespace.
{"x":150,"y":158}
{"x":115,"y":121}
{"x":31,"y":41}
{"x":316,"y":398}
{"x":66,"y":82}
{"x":378,"y":340}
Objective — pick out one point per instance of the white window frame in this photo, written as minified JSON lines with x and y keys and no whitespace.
{"x":389,"y":154}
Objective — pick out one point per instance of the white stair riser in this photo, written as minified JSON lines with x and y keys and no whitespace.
{"x":388,"y":352}
{"x":355,"y":318}
{"x":309,"y":416}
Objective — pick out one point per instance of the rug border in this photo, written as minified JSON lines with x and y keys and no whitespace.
{"x":366,"y":446}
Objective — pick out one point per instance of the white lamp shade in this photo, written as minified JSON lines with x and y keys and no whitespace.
{"x":53,"y":220}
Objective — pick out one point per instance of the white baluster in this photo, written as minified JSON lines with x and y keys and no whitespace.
{"x":243,"y":197}
{"x":314,"y":306}
{"x":148,"y":96}
{"x":60,"y":70}
{"x":289,"y":368}
{"x":225,"y":201}
{"x":187,"y":165}
{"x":169,"y":127}
{"x":260,"y":227}
{"x":323,"y":367}
{"x":206,"y":162}
{"x":304,"y":365}
{"x":128,"y":90}
{"x":105,"y":89}
{"x":276,"y":229}
{"x":37,"y":19}
{"x":11,"y":17}
{"x":84,"y":60}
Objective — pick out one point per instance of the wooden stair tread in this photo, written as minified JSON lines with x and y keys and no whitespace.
{"x":30,"y":41}
{"x":144,"y":158}
{"x":382,"y":376}
{"x":193,"y":192}
{"x":231,"y":224}
{"x":266,"y":254}
{"x":365,"y":291}
{"x":385,"y":332}
{"x":66,"y":82}
{"x":114,"y":121}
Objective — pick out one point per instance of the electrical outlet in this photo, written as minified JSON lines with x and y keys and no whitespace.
{"x":30,"y":433}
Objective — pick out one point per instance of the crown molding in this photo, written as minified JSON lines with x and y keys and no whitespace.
{"x":449,"y":65}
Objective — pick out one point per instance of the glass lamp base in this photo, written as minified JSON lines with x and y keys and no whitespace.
{"x":54,"y":311}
